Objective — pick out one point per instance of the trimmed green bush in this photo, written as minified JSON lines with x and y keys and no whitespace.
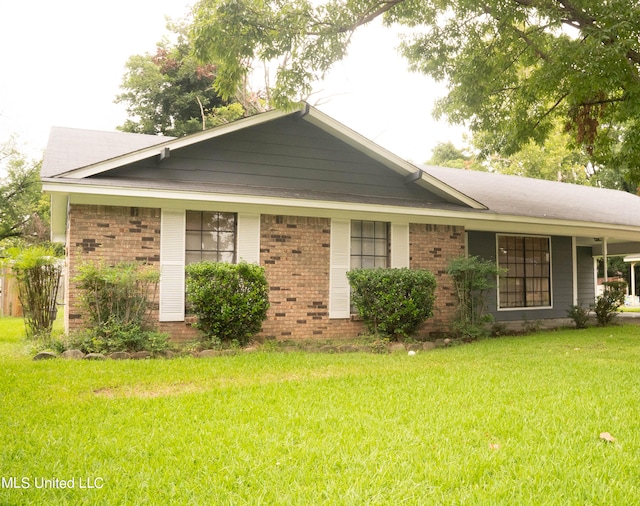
{"x":393,"y":302}
{"x":118,"y":300}
{"x":229,"y":300}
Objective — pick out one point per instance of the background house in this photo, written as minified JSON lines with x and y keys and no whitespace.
{"x":307,"y":198}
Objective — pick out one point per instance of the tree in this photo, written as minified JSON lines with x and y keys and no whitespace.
{"x":554,"y":159}
{"x":445,"y":154}
{"x":513,"y":67}
{"x":171,"y":93}
{"x":23,"y":211}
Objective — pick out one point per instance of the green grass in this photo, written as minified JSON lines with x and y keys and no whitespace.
{"x":504,"y":421}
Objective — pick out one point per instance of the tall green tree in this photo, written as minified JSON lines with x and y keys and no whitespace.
{"x":169,"y":92}
{"x":513,"y":67}
{"x":24,"y":213}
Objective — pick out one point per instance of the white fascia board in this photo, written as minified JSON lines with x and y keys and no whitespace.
{"x":181,"y":142}
{"x":387,"y":158}
{"x":471,"y":220}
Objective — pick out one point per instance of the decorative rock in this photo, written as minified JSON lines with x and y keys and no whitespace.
{"x":94,"y":356}
{"x":440,"y":343}
{"x":209,"y":353}
{"x":447,"y":342}
{"x":73,"y":354}
{"x":251,"y":349}
{"x":393,"y":347}
{"x":45,"y":355}
{"x":141,"y":355}
{"x":120,"y":355}
{"x":327,"y":348}
{"x":428,"y":345}
{"x":414,"y":346}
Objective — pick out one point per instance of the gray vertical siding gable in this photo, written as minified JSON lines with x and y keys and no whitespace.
{"x":286,"y":154}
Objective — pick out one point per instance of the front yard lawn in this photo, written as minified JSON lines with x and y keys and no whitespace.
{"x":502,"y":421}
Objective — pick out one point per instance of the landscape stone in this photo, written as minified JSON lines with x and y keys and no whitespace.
{"x":141,"y":355}
{"x":440,"y":343}
{"x":120,"y":355}
{"x":45,"y":355}
{"x":414,"y":347}
{"x":428,"y":345}
{"x":73,"y":354}
{"x":394,"y":347}
{"x":251,"y":349}
{"x":94,"y":356}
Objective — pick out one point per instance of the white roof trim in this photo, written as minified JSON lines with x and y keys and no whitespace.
{"x":471,"y":220}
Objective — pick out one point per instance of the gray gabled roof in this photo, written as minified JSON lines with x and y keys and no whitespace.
{"x":72,"y":148}
{"x":523,"y":196}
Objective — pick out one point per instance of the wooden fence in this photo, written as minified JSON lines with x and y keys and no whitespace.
{"x":9,"y":302}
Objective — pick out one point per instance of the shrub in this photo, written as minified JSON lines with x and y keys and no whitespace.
{"x":579,"y":314}
{"x":393,"y":302}
{"x":37,"y":270}
{"x":472,"y":279}
{"x":607,"y":305}
{"x":119,"y":300}
{"x":229,"y":300}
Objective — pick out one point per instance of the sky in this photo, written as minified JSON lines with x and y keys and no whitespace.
{"x":63,"y":62}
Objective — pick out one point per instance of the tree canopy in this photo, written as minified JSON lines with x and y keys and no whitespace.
{"x":171,"y":93}
{"x":514,"y":68}
{"x":24,"y":213}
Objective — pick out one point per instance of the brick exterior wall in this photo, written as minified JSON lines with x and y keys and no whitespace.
{"x":295,"y":252}
{"x":431,"y":247}
{"x":110,"y":234}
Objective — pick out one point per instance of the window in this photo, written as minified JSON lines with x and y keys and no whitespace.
{"x":369,"y":244}
{"x":210,"y":236}
{"x":527,"y":261}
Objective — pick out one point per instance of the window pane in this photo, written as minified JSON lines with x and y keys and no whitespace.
{"x":210,"y":256}
{"x":368,"y":229}
{"x":192,"y":257}
{"x":193,"y":240}
{"x":356,"y":246}
{"x":380,"y":262}
{"x":368,"y":247}
{"x":226,"y":256}
{"x":368,"y":262}
{"x":227,"y":222}
{"x":356,"y":262}
{"x":381,"y":247}
{"x":194,"y":221}
{"x":209,"y":221}
{"x":356,"y":228}
{"x":381,"y":229}
{"x":209,"y":241}
{"x":226,"y":241}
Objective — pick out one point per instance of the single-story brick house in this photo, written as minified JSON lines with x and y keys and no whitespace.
{"x":308,"y":199}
